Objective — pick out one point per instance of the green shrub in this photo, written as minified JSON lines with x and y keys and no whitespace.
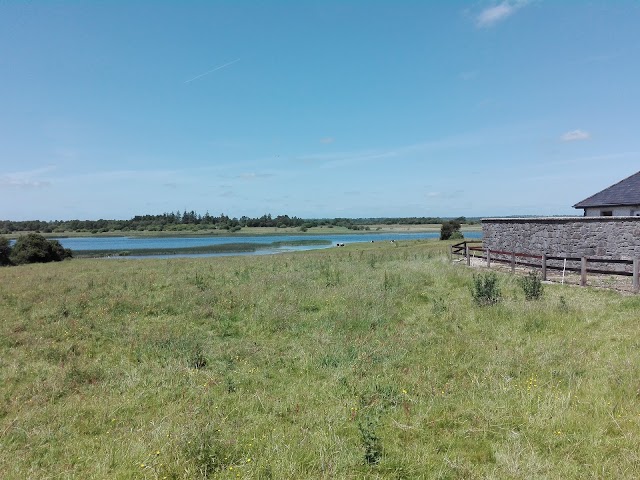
{"x":34,"y":248}
{"x":485,"y":289}
{"x":532,"y":286}
{"x":448,"y":229}
{"x":5,"y":251}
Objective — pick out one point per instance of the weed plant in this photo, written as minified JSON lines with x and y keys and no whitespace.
{"x":532,"y":286}
{"x":485,"y":289}
{"x":322,"y":364}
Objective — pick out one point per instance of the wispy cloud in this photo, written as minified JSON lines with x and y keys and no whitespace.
{"x":327,"y":140}
{"x":411,"y":151}
{"x":338,"y":159}
{"x":491,"y":16}
{"x":466,"y":76}
{"x":9,"y":182}
{"x":219,"y":67}
{"x":254,"y":176}
{"x":608,"y":157}
{"x":27,"y":178}
{"x":445,"y":195}
{"x":575,"y":135}
{"x":601,"y":58}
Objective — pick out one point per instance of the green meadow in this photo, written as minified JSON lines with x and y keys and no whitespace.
{"x":369,"y":361}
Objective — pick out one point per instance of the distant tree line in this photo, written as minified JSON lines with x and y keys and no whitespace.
{"x":178,"y":221}
{"x":32,"y":248}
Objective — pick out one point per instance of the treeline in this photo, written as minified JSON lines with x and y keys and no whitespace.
{"x":178,"y":221}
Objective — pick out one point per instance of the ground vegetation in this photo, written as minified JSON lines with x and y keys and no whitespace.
{"x":369,"y":361}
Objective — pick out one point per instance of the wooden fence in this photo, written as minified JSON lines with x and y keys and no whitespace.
{"x":583,"y":265}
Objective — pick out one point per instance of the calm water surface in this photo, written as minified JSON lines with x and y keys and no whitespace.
{"x":120,"y":244}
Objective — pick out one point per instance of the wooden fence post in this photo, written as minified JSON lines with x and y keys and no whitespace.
{"x":583,"y":271}
{"x":513,"y":262}
{"x":544,"y":267}
{"x":488,"y":258}
{"x":636,"y":275}
{"x":466,"y":252}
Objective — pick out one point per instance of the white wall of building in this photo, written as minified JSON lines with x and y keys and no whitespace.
{"x":626,"y":211}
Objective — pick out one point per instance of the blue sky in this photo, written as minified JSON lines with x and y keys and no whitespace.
{"x":315,"y":109}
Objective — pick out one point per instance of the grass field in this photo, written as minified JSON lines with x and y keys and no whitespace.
{"x":369,"y":361}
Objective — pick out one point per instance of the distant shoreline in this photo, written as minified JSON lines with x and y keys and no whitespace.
{"x":257,"y":231}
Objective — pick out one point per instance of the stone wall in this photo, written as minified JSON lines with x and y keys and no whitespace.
{"x":600,"y":237}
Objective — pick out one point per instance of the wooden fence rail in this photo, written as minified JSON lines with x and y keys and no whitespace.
{"x":544,"y":262}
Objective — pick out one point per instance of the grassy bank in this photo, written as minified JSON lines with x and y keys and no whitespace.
{"x":369,"y":361}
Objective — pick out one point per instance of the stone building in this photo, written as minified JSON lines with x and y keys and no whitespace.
{"x":609,"y":228}
{"x":619,"y":200}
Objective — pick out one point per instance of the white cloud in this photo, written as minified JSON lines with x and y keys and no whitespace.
{"x":327,"y":140}
{"x":490,"y":16}
{"x":574,"y":135}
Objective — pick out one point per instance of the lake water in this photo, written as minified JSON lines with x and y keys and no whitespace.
{"x":121,"y":244}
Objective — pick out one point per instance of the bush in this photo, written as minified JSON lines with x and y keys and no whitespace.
{"x":485,"y":289}
{"x":34,"y":248}
{"x":448,"y":229}
{"x":532,"y":286}
{"x":5,"y":251}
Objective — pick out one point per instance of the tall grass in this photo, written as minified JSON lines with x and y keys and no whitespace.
{"x":369,"y":361}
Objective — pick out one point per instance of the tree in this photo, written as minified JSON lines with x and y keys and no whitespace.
{"x":5,"y":251}
{"x":34,"y":248}
{"x":450,"y":230}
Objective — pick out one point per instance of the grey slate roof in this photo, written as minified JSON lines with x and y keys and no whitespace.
{"x":625,"y":192}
